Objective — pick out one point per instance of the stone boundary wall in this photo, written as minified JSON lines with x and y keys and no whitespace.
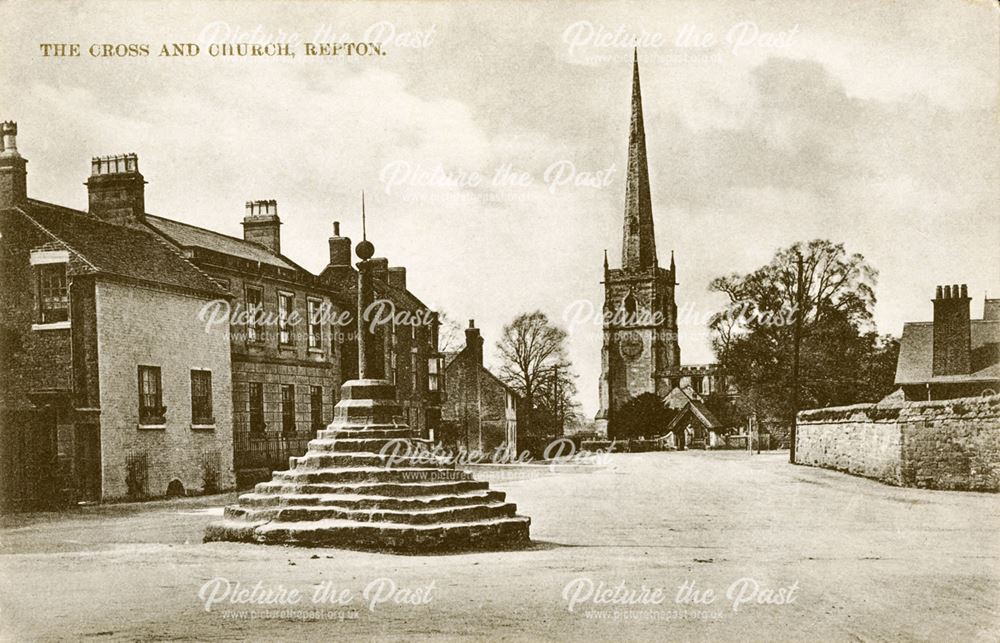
{"x":947,"y":444}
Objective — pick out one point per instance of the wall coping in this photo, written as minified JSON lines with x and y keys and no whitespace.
{"x":903,"y":411}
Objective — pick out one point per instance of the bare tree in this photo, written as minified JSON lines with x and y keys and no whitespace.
{"x":529,"y":346}
{"x":450,"y":336}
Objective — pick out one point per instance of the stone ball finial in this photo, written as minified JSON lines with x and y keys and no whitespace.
{"x":365,"y":250}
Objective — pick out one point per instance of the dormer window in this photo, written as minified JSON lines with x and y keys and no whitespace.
{"x":51,"y":288}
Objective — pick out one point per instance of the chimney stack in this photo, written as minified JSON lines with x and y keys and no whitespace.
{"x":474,"y":342}
{"x":397,"y":277}
{"x":13,"y":168}
{"x":340,"y":247}
{"x":261,"y":224}
{"x":952,"y":336}
{"x":116,"y":190}
{"x":991,"y":309}
{"x":380,"y":269}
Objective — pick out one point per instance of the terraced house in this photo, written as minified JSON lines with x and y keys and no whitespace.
{"x":129,"y":387}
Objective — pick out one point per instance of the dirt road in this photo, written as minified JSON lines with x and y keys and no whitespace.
{"x":660,"y":546}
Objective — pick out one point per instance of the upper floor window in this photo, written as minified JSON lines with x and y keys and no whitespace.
{"x":151,"y":409}
{"x":315,"y":328}
{"x":201,"y":397}
{"x":285,"y":305}
{"x":255,"y":310}
{"x":53,"y":293}
{"x":434,"y":374}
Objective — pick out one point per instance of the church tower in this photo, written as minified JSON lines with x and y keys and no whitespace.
{"x":640,"y":353}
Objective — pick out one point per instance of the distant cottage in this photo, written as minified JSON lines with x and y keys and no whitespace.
{"x":479,"y":411}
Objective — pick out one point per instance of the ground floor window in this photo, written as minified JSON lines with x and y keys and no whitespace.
{"x":288,"y":408}
{"x":151,"y":409}
{"x":256,"y":407}
{"x":316,"y":407}
{"x":201,"y":397}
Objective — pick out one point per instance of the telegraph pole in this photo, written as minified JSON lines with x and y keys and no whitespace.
{"x":797,"y":341}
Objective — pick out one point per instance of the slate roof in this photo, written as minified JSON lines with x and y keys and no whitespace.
{"x":185,"y":234}
{"x":123,"y":251}
{"x":916,"y":354}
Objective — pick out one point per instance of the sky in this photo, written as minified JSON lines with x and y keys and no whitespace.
{"x":490,"y":139}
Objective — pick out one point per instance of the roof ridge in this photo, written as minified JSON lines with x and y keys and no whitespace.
{"x":211,"y":231}
{"x":156,"y":234}
{"x":259,"y":246}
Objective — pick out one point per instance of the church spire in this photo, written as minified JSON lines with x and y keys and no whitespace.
{"x":638,"y":244}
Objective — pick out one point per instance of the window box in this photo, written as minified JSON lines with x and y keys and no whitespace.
{"x":155,"y":417}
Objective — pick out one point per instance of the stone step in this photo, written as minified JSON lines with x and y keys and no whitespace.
{"x":474,"y":512}
{"x":347,"y":459}
{"x":368,"y":411}
{"x":369,"y":445}
{"x":501,"y":533}
{"x":367,"y":389}
{"x":407,"y":489}
{"x":362,"y":501}
{"x":365,"y":431}
{"x":372,"y":474}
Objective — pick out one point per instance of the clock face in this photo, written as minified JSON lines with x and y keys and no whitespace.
{"x":631,"y":346}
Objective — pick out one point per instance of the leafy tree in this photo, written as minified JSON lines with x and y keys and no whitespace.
{"x":529,"y":347}
{"x":643,"y":416}
{"x":842,"y":359}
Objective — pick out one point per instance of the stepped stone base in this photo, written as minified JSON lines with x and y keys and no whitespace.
{"x":344,"y":492}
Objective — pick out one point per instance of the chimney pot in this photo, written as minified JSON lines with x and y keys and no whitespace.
{"x":336,"y":228}
{"x":939,"y":293}
{"x":947,"y":292}
{"x":13,"y":168}
{"x":8,"y":139}
{"x":965,"y":290}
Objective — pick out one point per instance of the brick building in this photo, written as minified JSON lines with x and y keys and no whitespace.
{"x":480,"y":412}
{"x":640,"y":352}
{"x":110,"y":387}
{"x":154,"y":286}
{"x":952,"y":356}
